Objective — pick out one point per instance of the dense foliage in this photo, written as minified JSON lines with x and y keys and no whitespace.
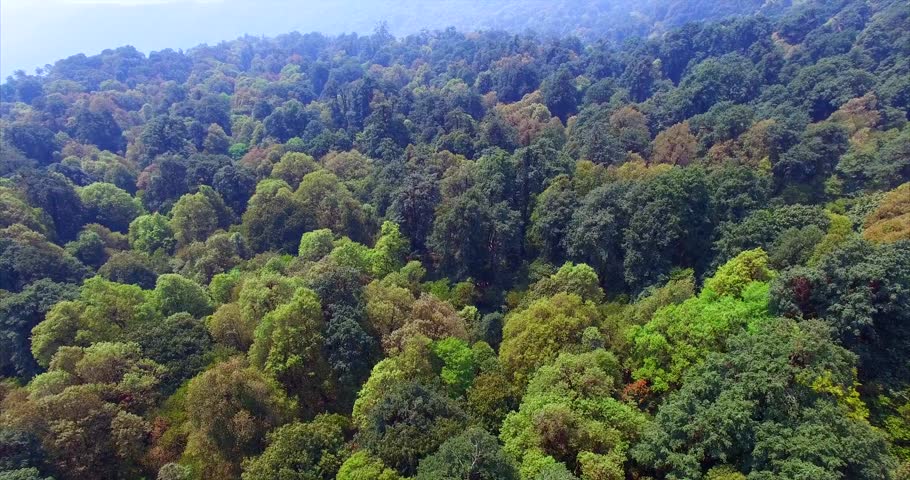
{"x":465,"y":255}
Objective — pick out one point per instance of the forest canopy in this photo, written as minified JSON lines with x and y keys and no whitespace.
{"x":465,"y":255}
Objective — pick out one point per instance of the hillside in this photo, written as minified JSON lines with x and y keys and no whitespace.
{"x":467,"y":254}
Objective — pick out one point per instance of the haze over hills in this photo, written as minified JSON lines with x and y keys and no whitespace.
{"x":90,"y":26}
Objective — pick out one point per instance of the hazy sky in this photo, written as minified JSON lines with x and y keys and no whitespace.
{"x":37,"y":32}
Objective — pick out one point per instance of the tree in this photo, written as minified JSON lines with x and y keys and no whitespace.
{"x":513,"y":76}
{"x":535,"y":336}
{"x":175,"y":294}
{"x":303,"y":451}
{"x":164,"y":134}
{"x":104,"y":311}
{"x":195,"y":217}
{"x":560,"y":94}
{"x":327,"y":203}
{"x":88,"y":248}
{"x":350,"y":351}
{"x":409,"y":422}
{"x":150,"y":233}
{"x":680,"y":336}
{"x":362,"y":466}
{"x":430,"y":318}
{"x":88,"y":409}
{"x":822,"y":88}
{"x":458,"y":364}
{"x":288,"y":348}
{"x":19,"y":314}
{"x":390,"y":251}
{"x":164,"y":182}
{"x":490,"y":398}
{"x":14,"y":208}
{"x":551,"y":218}
{"x":675,"y":146}
{"x":860,"y":290}
{"x":181,"y":344}
{"x":130,"y":267}
{"x":761,"y":228}
{"x":472,"y":454}
{"x":476,"y":238}
{"x":292,"y":167}
{"x":273,"y":219}
{"x":109,"y":205}
{"x":630,"y":127}
{"x":26,"y":256}
{"x":219,"y":253}
{"x":890,"y":222}
{"x":578,"y":279}
{"x":413,"y":206}
{"x":54,"y":194}
{"x":730,"y":77}
{"x":814,"y":158}
{"x":569,"y":414}
{"x":35,"y":141}
{"x":230,"y":408}
{"x":671,"y":226}
{"x":216,"y":141}
{"x":229,"y":327}
{"x":595,"y":232}
{"x":757,"y":409}
{"x":235,"y":185}
{"x":22,"y":454}
{"x":316,"y":244}
{"x":99,"y":128}
{"x":263,"y":293}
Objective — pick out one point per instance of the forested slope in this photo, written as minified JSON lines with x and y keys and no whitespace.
{"x":464,"y":255}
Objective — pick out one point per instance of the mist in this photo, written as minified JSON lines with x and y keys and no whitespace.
{"x":34,"y":34}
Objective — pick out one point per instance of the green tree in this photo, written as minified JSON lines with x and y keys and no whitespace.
{"x":19,"y":314}
{"x":302,"y":451}
{"x":292,"y":167}
{"x":472,"y":454}
{"x":559,"y":93}
{"x":458,"y":367}
{"x":56,"y":195}
{"x":362,"y":466}
{"x":476,"y":238}
{"x":221,"y":252}
{"x":316,"y":244}
{"x":680,"y":336}
{"x":230,"y":408}
{"x":181,"y":344}
{"x":27,"y":256}
{"x":104,"y":311}
{"x":577,"y":279}
{"x":595,"y":232}
{"x":570,"y":414}
{"x":327,"y":203}
{"x":288,"y":348}
{"x":536,"y":335}
{"x":551,"y":218}
{"x":88,"y":248}
{"x":273,"y":219}
{"x":861,"y":290}
{"x":14,"y":208}
{"x":88,"y":409}
{"x":109,"y":205}
{"x":195,"y":217}
{"x":174,"y":294}
{"x":216,"y":141}
{"x":757,"y":409}
{"x":409,"y":422}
